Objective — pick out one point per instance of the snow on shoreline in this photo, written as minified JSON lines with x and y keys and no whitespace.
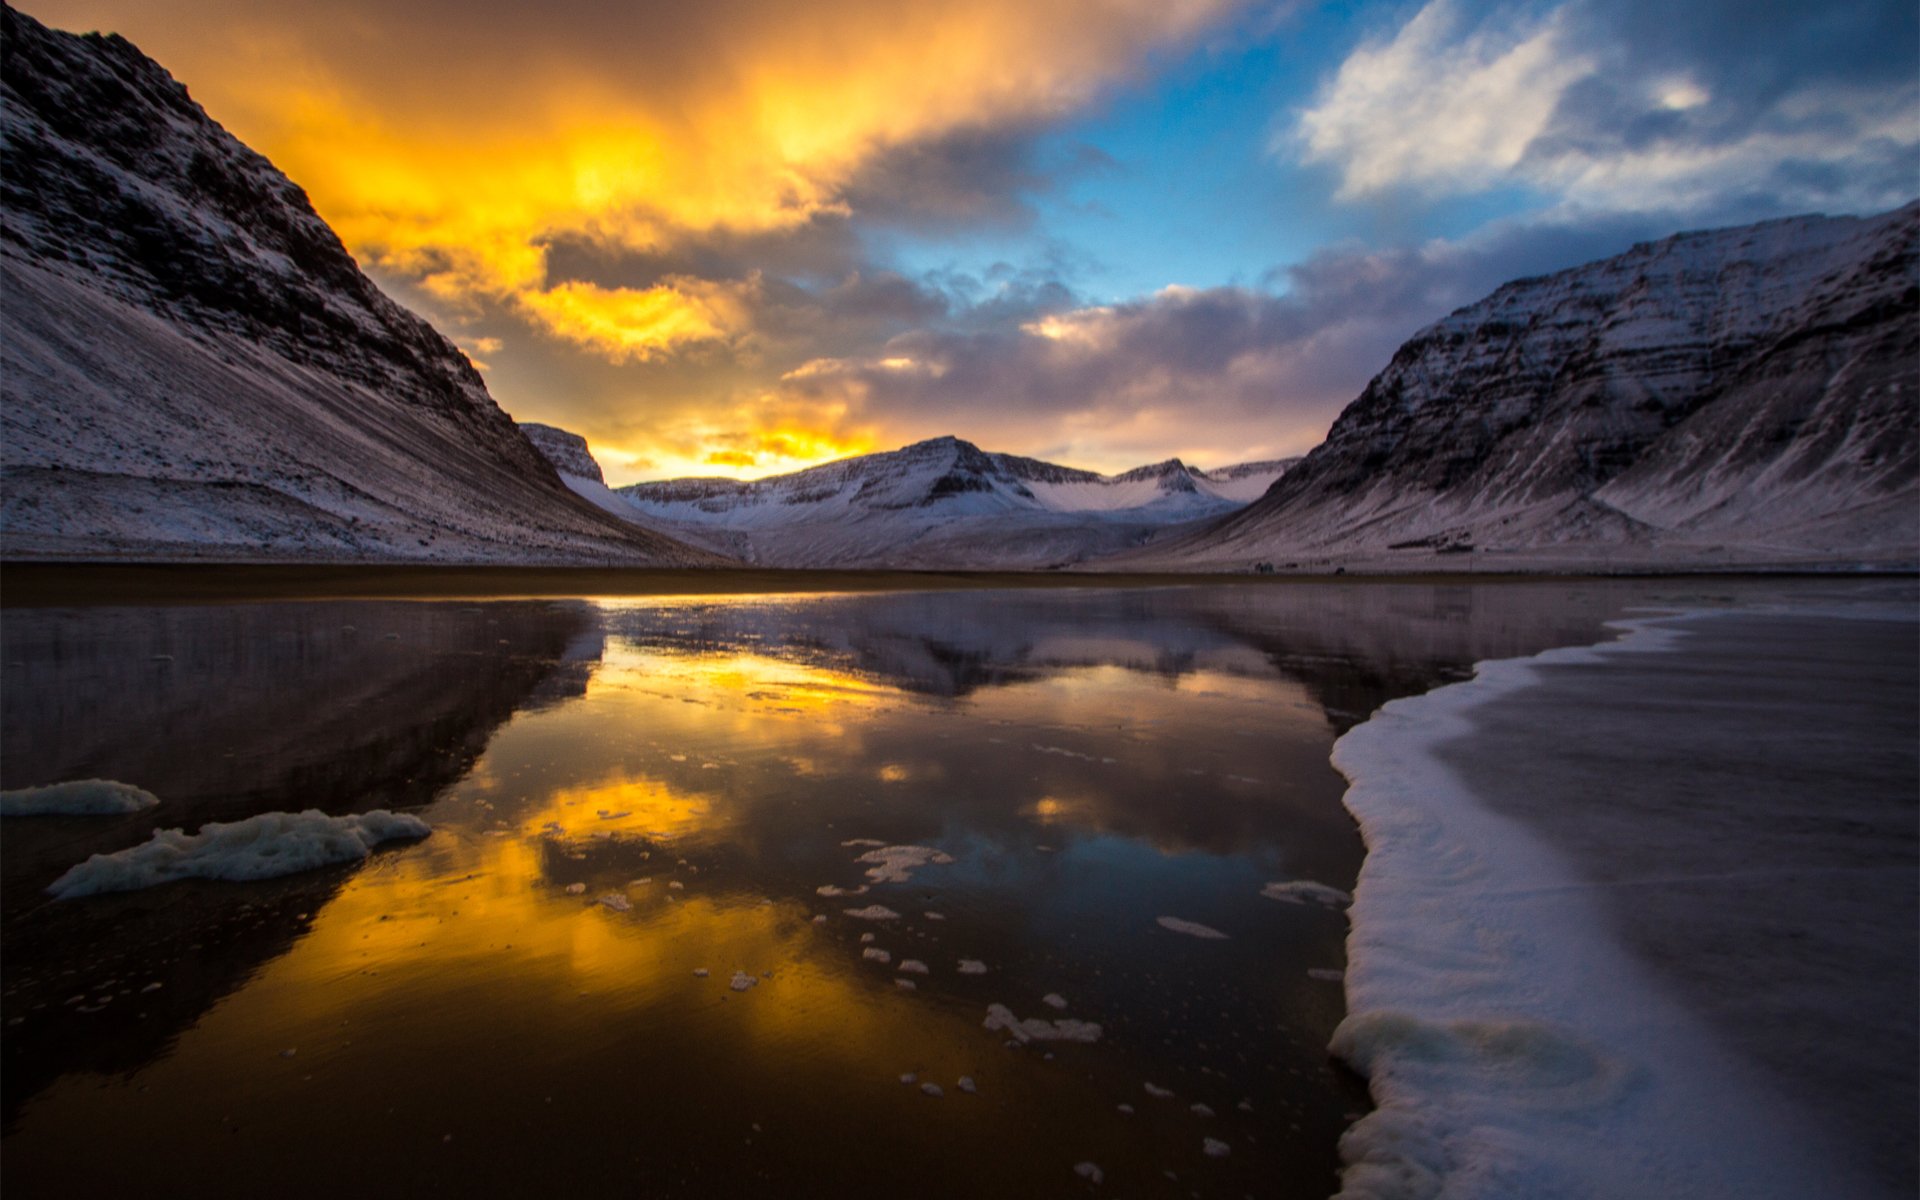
{"x":259,"y":847}
{"x":1512,"y":1047}
{"x":76,"y":798}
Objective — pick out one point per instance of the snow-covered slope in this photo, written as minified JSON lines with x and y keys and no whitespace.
{"x":1743,"y":395}
{"x":942,"y":503}
{"x":192,"y":366}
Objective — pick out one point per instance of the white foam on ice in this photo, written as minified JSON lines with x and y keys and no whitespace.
{"x":896,"y":864}
{"x":1034,"y":1029}
{"x":260,"y":847}
{"x":1190,"y":928}
{"x":76,"y":798}
{"x":1306,"y":891}
{"x":1513,"y":1048}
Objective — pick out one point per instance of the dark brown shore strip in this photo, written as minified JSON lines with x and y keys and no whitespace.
{"x":32,"y":584}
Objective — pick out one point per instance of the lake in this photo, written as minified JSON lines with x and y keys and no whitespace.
{"x":647,"y":949}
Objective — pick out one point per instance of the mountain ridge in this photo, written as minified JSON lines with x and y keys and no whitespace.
{"x":941,"y":502}
{"x":196,"y":368}
{"x":1744,"y":395}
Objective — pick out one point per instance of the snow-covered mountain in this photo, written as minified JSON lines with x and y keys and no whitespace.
{"x":1747,"y":395}
{"x":937,"y":504}
{"x":192,"y":366}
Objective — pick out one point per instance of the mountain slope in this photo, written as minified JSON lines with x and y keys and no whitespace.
{"x":1740,"y":395}
{"x":941,"y":503}
{"x":192,"y":366}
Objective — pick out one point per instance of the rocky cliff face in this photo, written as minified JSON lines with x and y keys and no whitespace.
{"x":566,"y":451}
{"x":195,"y":367}
{"x":1742,"y":394}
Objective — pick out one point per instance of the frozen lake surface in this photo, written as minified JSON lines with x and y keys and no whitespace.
{"x":927,"y":893}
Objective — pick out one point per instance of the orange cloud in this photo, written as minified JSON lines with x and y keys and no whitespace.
{"x":453,"y":143}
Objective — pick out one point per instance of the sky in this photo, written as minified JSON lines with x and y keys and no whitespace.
{"x":742,"y":237}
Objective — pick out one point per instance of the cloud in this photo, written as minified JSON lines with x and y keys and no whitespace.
{"x":1445,"y":104}
{"x":452,"y":143}
{"x":1602,"y":107}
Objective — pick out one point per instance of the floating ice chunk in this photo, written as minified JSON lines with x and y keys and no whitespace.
{"x":699,"y":972}
{"x":741,"y":981}
{"x":1054,"y":1000}
{"x":876,"y":954}
{"x":677,"y":886}
{"x":873,"y":912}
{"x":1306,"y":891}
{"x":1089,"y":1172}
{"x":863,"y":842}
{"x":896,"y":864}
{"x":1200,"y":1110}
{"x":831,"y":890}
{"x":909,"y":1077}
{"x":640,"y":882}
{"x":932,"y":1089}
{"x":616,"y":902}
{"x":819,"y":918}
{"x":76,"y":798}
{"x":906,"y":985}
{"x":1158,"y":1093}
{"x":1034,"y":1029}
{"x":913,"y":966}
{"x":1126,"y":1108}
{"x":972,"y":966}
{"x":576,"y":889}
{"x":1190,"y":928}
{"x":865,"y":938}
{"x":1215,"y":1148}
{"x":260,"y":847}
{"x":1063,"y":752}
{"x":934,"y":916}
{"x":967,"y":1085}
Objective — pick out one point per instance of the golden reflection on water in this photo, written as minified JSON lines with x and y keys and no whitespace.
{"x":677,"y":812}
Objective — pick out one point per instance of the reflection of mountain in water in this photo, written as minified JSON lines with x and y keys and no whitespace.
{"x":1356,"y":645}
{"x":225,"y":712}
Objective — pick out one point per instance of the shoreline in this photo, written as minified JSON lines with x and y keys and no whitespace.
{"x":1519,"y":1048}
{"x":42,"y":583}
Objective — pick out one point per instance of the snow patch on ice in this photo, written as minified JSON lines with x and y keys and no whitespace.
{"x":1512,"y":1047}
{"x":1190,"y":928}
{"x":896,"y":864}
{"x":1306,"y":891}
{"x":260,"y":847}
{"x":76,"y":798}
{"x":1034,"y":1029}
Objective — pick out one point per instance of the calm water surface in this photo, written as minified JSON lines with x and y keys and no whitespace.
{"x":627,"y":792}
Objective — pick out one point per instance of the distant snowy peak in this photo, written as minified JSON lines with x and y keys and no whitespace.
{"x":567,"y":452}
{"x":944,"y":502}
{"x":957,"y":475}
{"x":1745,"y":393}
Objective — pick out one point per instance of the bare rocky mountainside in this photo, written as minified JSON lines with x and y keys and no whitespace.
{"x":942,"y":504}
{"x":194,"y":367}
{"x":1745,"y":396}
